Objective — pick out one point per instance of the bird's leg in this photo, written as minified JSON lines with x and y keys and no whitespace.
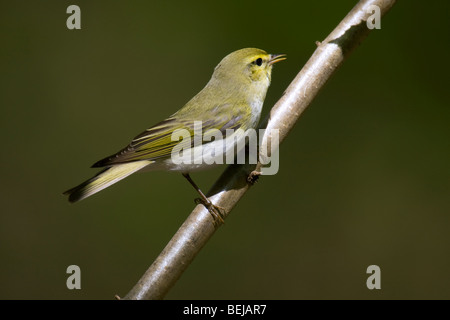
{"x":214,"y":210}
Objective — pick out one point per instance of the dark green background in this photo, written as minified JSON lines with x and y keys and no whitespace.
{"x":364,"y":176}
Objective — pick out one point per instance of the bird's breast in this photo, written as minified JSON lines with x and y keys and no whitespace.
{"x":256,"y":108}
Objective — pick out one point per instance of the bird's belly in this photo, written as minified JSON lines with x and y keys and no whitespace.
{"x":207,"y":155}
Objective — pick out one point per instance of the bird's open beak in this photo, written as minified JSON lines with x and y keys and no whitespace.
{"x":274,"y":58}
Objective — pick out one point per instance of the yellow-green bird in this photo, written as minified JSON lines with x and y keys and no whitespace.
{"x":232,"y":99}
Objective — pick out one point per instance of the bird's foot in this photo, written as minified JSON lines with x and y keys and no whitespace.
{"x":253,"y":177}
{"x":218,"y":213}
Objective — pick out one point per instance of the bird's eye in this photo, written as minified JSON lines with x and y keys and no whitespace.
{"x":258,"y":62}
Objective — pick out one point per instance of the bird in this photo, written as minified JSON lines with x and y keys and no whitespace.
{"x":231,"y":100}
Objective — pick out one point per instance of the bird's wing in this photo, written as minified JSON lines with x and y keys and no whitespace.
{"x":156,"y":142}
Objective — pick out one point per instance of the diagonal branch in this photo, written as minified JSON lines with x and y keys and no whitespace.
{"x":232,"y":185}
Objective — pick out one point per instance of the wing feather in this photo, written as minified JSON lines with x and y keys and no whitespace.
{"x":156,"y":142}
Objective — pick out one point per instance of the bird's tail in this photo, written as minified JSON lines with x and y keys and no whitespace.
{"x":104,"y":179}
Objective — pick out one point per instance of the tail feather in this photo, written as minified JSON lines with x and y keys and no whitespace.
{"x":104,"y":179}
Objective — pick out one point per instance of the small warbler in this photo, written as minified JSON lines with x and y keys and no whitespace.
{"x":232,"y":99}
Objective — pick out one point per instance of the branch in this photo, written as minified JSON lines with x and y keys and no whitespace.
{"x":232,"y":185}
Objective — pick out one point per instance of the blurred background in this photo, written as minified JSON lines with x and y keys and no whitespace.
{"x":364,"y":176}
